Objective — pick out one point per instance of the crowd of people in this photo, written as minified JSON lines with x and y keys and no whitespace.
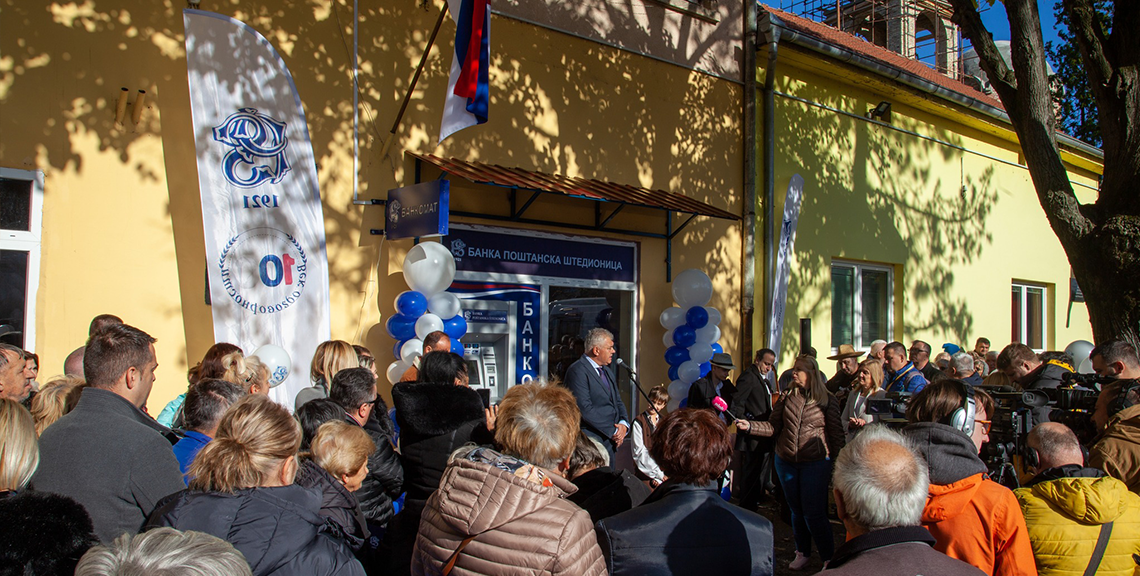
{"x":226,"y":481}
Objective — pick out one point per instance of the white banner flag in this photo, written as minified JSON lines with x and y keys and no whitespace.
{"x":783,"y":268}
{"x":261,"y":204}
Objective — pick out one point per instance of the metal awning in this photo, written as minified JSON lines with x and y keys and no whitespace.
{"x":574,"y":187}
{"x":601,"y":193}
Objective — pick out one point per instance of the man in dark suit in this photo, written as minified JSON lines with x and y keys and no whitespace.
{"x":753,"y":401}
{"x":715,"y":383}
{"x":594,"y":384}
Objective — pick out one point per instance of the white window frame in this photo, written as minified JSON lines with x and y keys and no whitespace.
{"x":29,"y":241}
{"x":857,"y":329}
{"x":1024,"y":328}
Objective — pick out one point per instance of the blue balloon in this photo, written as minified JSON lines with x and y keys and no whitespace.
{"x":717,"y":348}
{"x":675,"y":356}
{"x":397,"y":347}
{"x":455,"y":327}
{"x":401,"y":327}
{"x":705,"y":369}
{"x":684,"y":336}
{"x":697,"y":317}
{"x":456,"y":346}
{"x":673,"y":373}
{"x":411,"y":304}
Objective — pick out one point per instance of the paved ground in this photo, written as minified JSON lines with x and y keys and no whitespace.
{"x":785,"y":548}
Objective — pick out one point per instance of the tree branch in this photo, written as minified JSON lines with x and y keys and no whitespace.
{"x":1000,"y":76}
{"x":1085,"y":28}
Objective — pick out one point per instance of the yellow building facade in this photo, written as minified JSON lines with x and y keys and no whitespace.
{"x":648,"y":94}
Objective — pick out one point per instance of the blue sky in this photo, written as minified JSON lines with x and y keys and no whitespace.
{"x":994,"y":19}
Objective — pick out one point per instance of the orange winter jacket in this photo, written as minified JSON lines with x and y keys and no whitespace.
{"x":979,"y":521}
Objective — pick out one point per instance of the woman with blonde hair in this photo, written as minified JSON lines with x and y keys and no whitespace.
{"x":809,"y":435}
{"x":242,"y":490}
{"x":248,"y":372}
{"x":868,"y":385}
{"x":51,"y":403}
{"x":40,"y":533}
{"x":336,"y":465}
{"x":331,"y":357}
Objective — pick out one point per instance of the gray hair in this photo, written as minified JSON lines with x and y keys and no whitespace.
{"x":164,"y":551}
{"x":19,"y":352}
{"x":963,"y":363}
{"x":882,"y":478}
{"x":596,"y":337}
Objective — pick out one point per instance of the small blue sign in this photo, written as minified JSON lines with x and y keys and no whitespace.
{"x":418,"y":210}
{"x":517,"y":254}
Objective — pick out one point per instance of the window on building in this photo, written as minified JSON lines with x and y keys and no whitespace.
{"x":1028,"y":315}
{"x":861,"y":296}
{"x":21,"y":210}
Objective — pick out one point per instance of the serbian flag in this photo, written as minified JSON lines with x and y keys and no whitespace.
{"x":468,"y":91}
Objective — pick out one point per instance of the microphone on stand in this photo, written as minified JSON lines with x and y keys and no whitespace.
{"x":633,"y":377}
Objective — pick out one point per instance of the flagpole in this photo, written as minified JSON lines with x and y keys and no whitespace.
{"x":415,"y":79}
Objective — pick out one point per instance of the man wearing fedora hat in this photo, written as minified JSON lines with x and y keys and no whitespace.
{"x":846,"y":364}
{"x":715,"y":383}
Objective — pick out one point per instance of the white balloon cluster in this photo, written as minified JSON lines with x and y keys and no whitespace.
{"x":429,"y":269}
{"x":691,"y":332}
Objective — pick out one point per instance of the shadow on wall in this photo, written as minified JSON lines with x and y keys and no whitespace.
{"x":874,"y":194}
{"x":559,"y":104}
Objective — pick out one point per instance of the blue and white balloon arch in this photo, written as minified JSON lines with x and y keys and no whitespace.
{"x":429,"y":269}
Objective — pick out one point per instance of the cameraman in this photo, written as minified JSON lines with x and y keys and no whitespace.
{"x":1026,"y":369}
{"x":972,"y":518}
{"x":1117,"y":415}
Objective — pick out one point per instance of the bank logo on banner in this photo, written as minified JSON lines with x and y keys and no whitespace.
{"x":257,"y":148}
{"x":394,"y":211}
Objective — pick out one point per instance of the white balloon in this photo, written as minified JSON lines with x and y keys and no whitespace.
{"x":277,"y":360}
{"x":674,"y":404}
{"x":714,"y":315}
{"x":692,"y":287}
{"x":429,"y":268}
{"x":395,"y":370}
{"x":672,"y":317}
{"x":700,"y":353}
{"x":444,"y":305}
{"x":1085,"y":367}
{"x":427,"y":324}
{"x":411,"y":350}
{"x":689,"y":372}
{"x":668,"y":338}
{"x":678,"y":390}
{"x":707,"y":335}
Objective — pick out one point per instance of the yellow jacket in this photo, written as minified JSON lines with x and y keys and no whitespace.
{"x":1064,"y":517}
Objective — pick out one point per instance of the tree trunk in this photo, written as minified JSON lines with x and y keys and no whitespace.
{"x":1102,"y":240}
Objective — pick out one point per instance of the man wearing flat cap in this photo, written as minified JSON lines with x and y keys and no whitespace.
{"x":715,"y":383}
{"x":846,"y":364}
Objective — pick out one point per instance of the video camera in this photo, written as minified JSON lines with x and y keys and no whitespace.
{"x":1015,"y":414}
{"x":891,"y":409}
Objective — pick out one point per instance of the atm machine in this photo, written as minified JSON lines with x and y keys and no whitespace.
{"x":488,"y":346}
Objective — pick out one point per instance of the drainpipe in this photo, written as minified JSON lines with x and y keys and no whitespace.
{"x":748,"y":293}
{"x":771,"y":37}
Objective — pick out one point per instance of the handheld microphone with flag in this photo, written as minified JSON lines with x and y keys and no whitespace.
{"x":722,"y":406}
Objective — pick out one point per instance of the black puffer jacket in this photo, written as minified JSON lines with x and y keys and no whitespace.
{"x":435,"y":420}
{"x":276,"y":529}
{"x":385,"y":479}
{"x":338,"y":505}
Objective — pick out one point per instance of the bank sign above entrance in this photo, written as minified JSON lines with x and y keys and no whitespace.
{"x":530,"y":255}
